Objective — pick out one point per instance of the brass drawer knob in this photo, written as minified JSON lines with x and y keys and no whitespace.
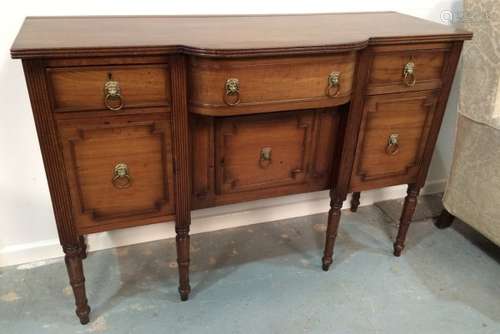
{"x":333,"y":87}
{"x":409,"y":77}
{"x":112,"y":94}
{"x":392,"y":147}
{"x":265,"y":157}
{"x":121,"y":178}
{"x":232,"y":92}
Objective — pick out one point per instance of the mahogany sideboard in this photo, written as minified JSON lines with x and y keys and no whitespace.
{"x":141,"y":119}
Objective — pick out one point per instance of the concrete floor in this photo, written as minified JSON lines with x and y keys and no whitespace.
{"x":267,"y":278}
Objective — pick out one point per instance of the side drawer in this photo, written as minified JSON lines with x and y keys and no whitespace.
{"x":119,"y":170}
{"x":392,"y":138}
{"x":259,"y":85}
{"x":407,"y":68}
{"x":83,"y":88}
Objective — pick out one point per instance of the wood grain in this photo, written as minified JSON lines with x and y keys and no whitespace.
{"x":180,"y":144}
{"x":386,"y":73}
{"x":92,"y":148}
{"x":269,"y":84}
{"x":407,"y":115}
{"x":82,"y":88}
{"x":222,"y":36}
{"x":52,"y":157}
{"x":240,"y":140}
{"x":406,"y":215}
{"x":55,"y":170}
{"x":226,"y":153}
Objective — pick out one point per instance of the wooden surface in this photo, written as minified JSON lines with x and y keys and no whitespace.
{"x":269,"y":83}
{"x":182,"y":178}
{"x":388,"y":63}
{"x":407,"y":115}
{"x":222,"y":35}
{"x":226,"y":166}
{"x":93,"y":147}
{"x":81,"y":88}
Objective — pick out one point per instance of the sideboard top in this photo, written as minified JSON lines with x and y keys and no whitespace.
{"x":224,"y":36}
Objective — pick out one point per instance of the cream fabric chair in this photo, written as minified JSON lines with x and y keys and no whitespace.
{"x":473,"y":190}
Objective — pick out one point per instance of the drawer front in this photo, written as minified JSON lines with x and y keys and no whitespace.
{"x":257,"y":152}
{"x":234,"y":87}
{"x":109,"y":87}
{"x":392,"y":138}
{"x":119,"y":170}
{"x":400,"y":69}
{"x":238,"y":141}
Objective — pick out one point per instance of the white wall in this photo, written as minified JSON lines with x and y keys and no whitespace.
{"x":27,"y":229}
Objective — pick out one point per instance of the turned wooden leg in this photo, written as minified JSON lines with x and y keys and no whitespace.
{"x":77,"y":280}
{"x":444,"y":220}
{"x":182,"y":240}
{"x":406,"y":216}
{"x":83,"y":247}
{"x":331,"y":231}
{"x":355,"y":201}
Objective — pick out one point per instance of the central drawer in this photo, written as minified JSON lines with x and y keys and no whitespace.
{"x":223,"y":87}
{"x":262,"y":151}
{"x":243,"y":158}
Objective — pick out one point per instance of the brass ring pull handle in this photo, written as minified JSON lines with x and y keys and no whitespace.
{"x":333,"y":87}
{"x":112,"y":95}
{"x":232,"y":92}
{"x":392,"y":147}
{"x":409,"y":77}
{"x":121,"y":178}
{"x":265,"y":157}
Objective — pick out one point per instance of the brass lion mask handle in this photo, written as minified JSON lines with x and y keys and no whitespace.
{"x":333,"y":87}
{"x":265,"y":157}
{"x":232,"y":92}
{"x":392,"y":147}
{"x":112,"y":94}
{"x":409,"y":77}
{"x":121,"y":178}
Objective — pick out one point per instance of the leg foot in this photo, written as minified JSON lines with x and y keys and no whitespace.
{"x":408,"y":210}
{"x":184,"y":295}
{"x":74,"y":267}
{"x":331,"y":231}
{"x":84,"y":318}
{"x":444,"y":220}
{"x":326,"y":264}
{"x":397,"y":250}
{"x":355,"y":201}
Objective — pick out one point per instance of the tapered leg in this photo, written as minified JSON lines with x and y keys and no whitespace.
{"x":444,"y":220}
{"x":331,"y":231}
{"x":83,"y":247}
{"x":355,"y":201}
{"x":182,"y":241}
{"x":77,"y":280}
{"x":182,"y":167}
{"x":406,"y":216}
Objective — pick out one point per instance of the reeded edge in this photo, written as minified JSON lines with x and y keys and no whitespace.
{"x":229,"y":53}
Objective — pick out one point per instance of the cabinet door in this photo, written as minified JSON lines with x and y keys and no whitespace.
{"x":119,"y":170}
{"x":392,"y":138}
{"x":258,"y":152}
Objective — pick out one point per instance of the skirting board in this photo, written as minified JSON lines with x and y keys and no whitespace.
{"x":205,"y":220}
